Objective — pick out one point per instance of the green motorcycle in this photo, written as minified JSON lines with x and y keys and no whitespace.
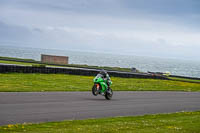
{"x":101,"y":87}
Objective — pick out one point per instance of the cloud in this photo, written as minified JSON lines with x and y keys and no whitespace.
{"x":130,"y":26}
{"x":13,"y":32}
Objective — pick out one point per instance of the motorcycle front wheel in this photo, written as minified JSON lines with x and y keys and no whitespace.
{"x":95,"y":90}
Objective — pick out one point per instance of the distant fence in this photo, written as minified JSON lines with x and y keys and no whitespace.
{"x":74,"y":71}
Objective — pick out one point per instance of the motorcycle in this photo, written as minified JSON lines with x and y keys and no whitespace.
{"x":100,"y":87}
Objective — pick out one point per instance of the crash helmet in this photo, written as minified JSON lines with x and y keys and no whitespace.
{"x":103,"y":72}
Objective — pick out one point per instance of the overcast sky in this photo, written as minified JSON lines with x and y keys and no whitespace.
{"x":163,"y":28}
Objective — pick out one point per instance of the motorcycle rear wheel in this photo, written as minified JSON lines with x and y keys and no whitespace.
{"x":109,"y":94}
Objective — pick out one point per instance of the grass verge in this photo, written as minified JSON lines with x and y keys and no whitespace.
{"x":12,"y":58}
{"x":17,"y":63}
{"x":182,"y":122}
{"x":184,"y":80}
{"x":20,"y":82}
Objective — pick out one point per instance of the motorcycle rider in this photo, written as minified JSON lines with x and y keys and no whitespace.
{"x":106,"y":77}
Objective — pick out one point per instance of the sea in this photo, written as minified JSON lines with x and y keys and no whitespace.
{"x":142,"y":63}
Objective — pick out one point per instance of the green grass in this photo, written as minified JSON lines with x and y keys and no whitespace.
{"x":26,"y":64}
{"x":19,"y":59}
{"x":184,"y":80}
{"x":17,"y":63}
{"x":19,"y":82}
{"x":182,"y":122}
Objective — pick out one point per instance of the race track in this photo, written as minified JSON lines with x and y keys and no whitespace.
{"x":57,"y":106}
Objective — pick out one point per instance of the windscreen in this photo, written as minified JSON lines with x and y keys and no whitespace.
{"x":99,"y":76}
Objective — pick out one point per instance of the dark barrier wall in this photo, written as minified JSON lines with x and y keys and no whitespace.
{"x":74,"y":71}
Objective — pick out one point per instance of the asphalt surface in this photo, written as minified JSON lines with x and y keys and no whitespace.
{"x":57,"y":106}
